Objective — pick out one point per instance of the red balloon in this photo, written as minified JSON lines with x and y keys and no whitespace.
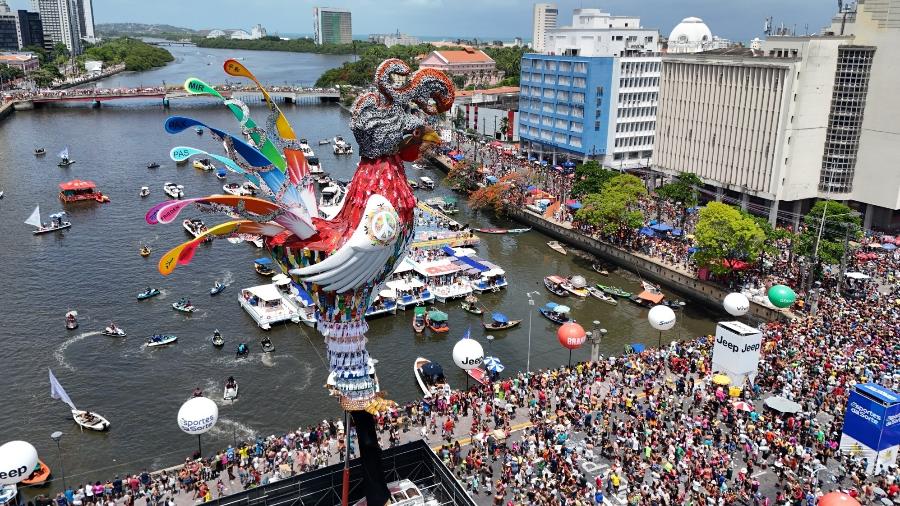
{"x":571,"y":335}
{"x":837,"y":499}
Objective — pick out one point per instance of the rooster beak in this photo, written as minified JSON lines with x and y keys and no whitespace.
{"x":431,"y":136}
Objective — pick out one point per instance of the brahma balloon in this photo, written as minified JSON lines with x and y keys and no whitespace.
{"x":782,"y":296}
{"x":17,"y":460}
{"x":571,"y":335}
{"x":468,"y":354}
{"x":736,"y":304}
{"x":661,"y":317}
{"x":198,"y":415}
{"x":837,"y":499}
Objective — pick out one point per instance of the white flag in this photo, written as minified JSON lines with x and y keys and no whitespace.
{"x":57,"y":392}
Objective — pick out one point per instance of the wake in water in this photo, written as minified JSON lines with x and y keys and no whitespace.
{"x":255,"y":358}
{"x":226,"y":428}
{"x":227,"y":278}
{"x":60,"y":353}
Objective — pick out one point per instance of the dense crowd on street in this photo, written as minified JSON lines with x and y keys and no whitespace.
{"x":141,"y":90}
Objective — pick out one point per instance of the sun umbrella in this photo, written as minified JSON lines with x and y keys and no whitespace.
{"x":889,"y":246}
{"x":437,"y":316}
{"x":742,"y":406}
{"x":721,"y":379}
{"x":782,"y":405}
{"x":499,"y":317}
{"x":493,"y":364}
{"x":433,"y":369}
{"x":562,"y":309}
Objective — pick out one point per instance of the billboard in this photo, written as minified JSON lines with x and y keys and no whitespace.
{"x":736,"y":351}
{"x":872,"y":426}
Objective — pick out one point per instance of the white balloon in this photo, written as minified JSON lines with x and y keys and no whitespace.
{"x":468,"y":354}
{"x":17,"y":461}
{"x":661,"y":317}
{"x":736,"y":304}
{"x":198,"y":415}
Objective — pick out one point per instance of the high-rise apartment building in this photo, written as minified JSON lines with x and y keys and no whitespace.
{"x":86,"y":20}
{"x":9,"y":28}
{"x":544,"y":18}
{"x":332,"y":26}
{"x":31,"y":30}
{"x":61,"y":22}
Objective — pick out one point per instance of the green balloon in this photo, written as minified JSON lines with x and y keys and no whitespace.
{"x":782,"y":296}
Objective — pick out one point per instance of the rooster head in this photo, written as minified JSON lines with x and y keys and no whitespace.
{"x":391,"y":119}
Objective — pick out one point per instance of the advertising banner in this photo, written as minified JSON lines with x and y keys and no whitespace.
{"x":872,"y":426}
{"x":736,"y":351}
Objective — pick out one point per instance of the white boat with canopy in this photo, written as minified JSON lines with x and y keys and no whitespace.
{"x":57,"y":222}
{"x":85,"y":419}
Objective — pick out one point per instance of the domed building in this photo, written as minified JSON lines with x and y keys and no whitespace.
{"x":693,"y":36}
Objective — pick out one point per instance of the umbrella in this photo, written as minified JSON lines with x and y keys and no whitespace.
{"x":742,"y":406}
{"x":491,"y":179}
{"x":721,"y":379}
{"x":493,"y":364}
{"x":577,"y":205}
{"x":782,"y":405}
{"x":568,"y":164}
{"x":531,"y":187}
{"x":662,"y":227}
{"x":647,"y":231}
{"x":437,"y":316}
{"x":433,"y":369}
{"x":889,"y":246}
{"x":562,"y":309}
{"x":499,"y":317}
{"x":637,"y":347}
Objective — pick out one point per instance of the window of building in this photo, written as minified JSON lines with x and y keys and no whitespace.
{"x":539,"y":65}
{"x":565,"y":66}
{"x":562,"y":96}
{"x":575,"y":141}
{"x":560,"y":138}
{"x":581,"y":67}
{"x":596,"y":126}
{"x":576,"y":127}
{"x":565,"y":81}
{"x":549,"y":79}
{"x":551,"y":66}
{"x":563,"y":109}
{"x":562,"y":124}
{"x":578,"y":112}
{"x":577,"y":98}
{"x":579,"y":82}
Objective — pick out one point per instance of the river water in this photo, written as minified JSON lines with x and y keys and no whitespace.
{"x":95,"y":269}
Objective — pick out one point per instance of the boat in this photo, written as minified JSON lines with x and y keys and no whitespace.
{"x":145,"y":251}
{"x":235,"y":189}
{"x":446,"y":205}
{"x":480,"y":375}
{"x":470,"y":305}
{"x":554,"y":285}
{"x":315,"y":166}
{"x":38,"y":476}
{"x":500,"y":321}
{"x":437,"y":321}
{"x":576,"y":286}
{"x":217,"y":288}
{"x":160,"y":340}
{"x":331,"y":199}
{"x":152,"y":165}
{"x":675,"y":305}
{"x":184,"y":306}
{"x":113,"y":331}
{"x":614,"y":290}
{"x":77,"y":190}
{"x":413,"y":184}
{"x":418,"y":322}
{"x":72,"y":320}
{"x":405,"y":493}
{"x":222,"y":174}
{"x":64,"y":160}
{"x":194,"y":226}
{"x":556,"y":246}
{"x":384,"y":303}
{"x":518,"y":230}
{"x":144,"y":191}
{"x":650,"y":287}
{"x":304,"y":147}
{"x":647,"y":298}
{"x":57,"y":222}
{"x":230,"y":392}
{"x":217,"y":340}
{"x":149,"y":292}
{"x":203,"y":164}
{"x":267,"y":345}
{"x":85,"y":419}
{"x":427,"y":182}
{"x":554,"y":312}
{"x":249,"y":188}
{"x":176,"y":191}
{"x":599,"y":269}
{"x":418,"y":166}
{"x":198,"y":130}
{"x":430,"y":377}
{"x":323,"y":142}
{"x":8,"y":494}
{"x":341,"y":147}
{"x":598,"y":293}
{"x":491,"y":230}
{"x":242,"y":350}
{"x":641,"y":302}
{"x":40,"y":151}
{"x":1,"y":194}
{"x":263,"y":266}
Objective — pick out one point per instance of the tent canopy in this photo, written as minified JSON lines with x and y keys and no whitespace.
{"x":782,"y":404}
{"x":437,"y":316}
{"x":263,"y":261}
{"x":655,"y":298}
{"x":857,"y":275}
{"x":433,"y":370}
{"x":661,"y":227}
{"x":637,"y":347}
{"x":646,"y":231}
{"x":499,"y":317}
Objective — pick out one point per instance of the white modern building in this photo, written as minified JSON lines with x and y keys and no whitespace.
{"x":240,"y":35}
{"x":215,"y":34}
{"x":693,"y":36}
{"x":593,"y":93}
{"x":257,"y":32}
{"x":544,"y":18}
{"x":62,"y":22}
{"x":791,"y":119}
{"x":394,"y":39}
{"x":86,"y":20}
{"x":332,"y":26}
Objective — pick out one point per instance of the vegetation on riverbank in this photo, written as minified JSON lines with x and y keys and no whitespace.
{"x":135,"y":54}
{"x":272,"y":43}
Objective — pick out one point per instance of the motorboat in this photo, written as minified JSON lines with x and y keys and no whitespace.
{"x":418,"y":166}
{"x":145,"y":191}
{"x":650,"y":287}
{"x":315,"y":166}
{"x":331,"y":199}
{"x":437,"y":321}
{"x":413,"y":184}
{"x":598,"y":293}
{"x":198,"y":130}
{"x":152,"y":165}
{"x":267,"y":345}
{"x":576,"y":286}
{"x":446,"y":205}
{"x":40,"y":151}
{"x":614,"y":290}
{"x":418,"y":321}
{"x":556,"y":246}
{"x":38,"y":476}
{"x":235,"y":189}
{"x":556,"y":313}
{"x":641,"y":301}
{"x":8,"y":494}
{"x":491,"y":230}
{"x":470,"y":305}
{"x":149,"y":292}
{"x":217,"y":340}
{"x":430,"y":377}
{"x":599,"y":269}
{"x":176,"y":191}
{"x":341,"y":147}
{"x":113,"y":331}
{"x":264,"y":266}
{"x":304,"y":147}
{"x":194,"y":226}
{"x":427,"y":183}
{"x":675,"y":305}
{"x":323,"y":142}
{"x":160,"y":340}
{"x":57,"y":222}
{"x":64,"y":159}
{"x":405,"y":493}
{"x":203,"y":164}
{"x":479,"y":375}
{"x":90,"y":420}
{"x":230,"y":392}
{"x":554,"y":285}
{"x":518,"y":230}
{"x":1,"y":194}
{"x":72,"y":320}
{"x":242,"y":350}
{"x":500,"y":321}
{"x":183,"y":306}
{"x":222,"y":174}
{"x":217,"y":288}
{"x":249,"y":188}
{"x":145,"y":251}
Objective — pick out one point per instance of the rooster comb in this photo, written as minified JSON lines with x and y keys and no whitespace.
{"x":385,"y":113}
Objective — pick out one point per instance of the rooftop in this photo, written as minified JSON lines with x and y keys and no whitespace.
{"x":464,"y":56}
{"x":489,"y":91}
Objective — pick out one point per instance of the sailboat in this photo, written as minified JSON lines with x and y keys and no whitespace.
{"x":64,"y":160}
{"x":56,"y":221}
{"x":85,"y":419}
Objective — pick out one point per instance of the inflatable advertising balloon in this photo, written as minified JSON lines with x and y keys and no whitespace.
{"x":736,"y":304}
{"x":661,"y":317}
{"x":571,"y":335}
{"x":782,"y":296}
{"x":468,"y":354}
{"x":198,"y":415}
{"x":17,"y":461}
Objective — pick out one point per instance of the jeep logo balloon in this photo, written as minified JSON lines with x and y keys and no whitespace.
{"x":468,"y":354}
{"x":17,"y":461}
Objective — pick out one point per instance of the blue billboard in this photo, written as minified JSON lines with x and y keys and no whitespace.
{"x":873,"y":416}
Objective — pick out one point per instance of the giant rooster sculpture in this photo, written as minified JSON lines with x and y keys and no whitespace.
{"x":339,"y":261}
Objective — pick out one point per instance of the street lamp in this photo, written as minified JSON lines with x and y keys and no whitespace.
{"x":530,"y":312}
{"x":56,"y":436}
{"x":596,"y":337}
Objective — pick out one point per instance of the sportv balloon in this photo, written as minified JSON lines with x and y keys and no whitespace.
{"x":17,"y":461}
{"x":661,"y":317}
{"x":198,"y":415}
{"x":736,"y":304}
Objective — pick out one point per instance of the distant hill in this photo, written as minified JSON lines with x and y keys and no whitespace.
{"x":142,"y":30}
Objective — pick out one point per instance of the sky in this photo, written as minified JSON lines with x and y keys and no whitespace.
{"x":490,"y":19}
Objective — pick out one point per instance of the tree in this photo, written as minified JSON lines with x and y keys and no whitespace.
{"x":589,"y":178}
{"x":839,"y":219}
{"x":497,"y":196}
{"x":615,"y":206}
{"x":504,"y":127}
{"x":459,"y":81}
{"x":724,"y":233}
{"x":682,"y":192}
{"x":459,"y":121}
{"x":464,"y":175}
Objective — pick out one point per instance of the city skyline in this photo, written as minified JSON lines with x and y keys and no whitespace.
{"x":467,"y":18}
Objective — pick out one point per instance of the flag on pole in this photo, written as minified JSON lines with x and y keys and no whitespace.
{"x":57,"y":391}
{"x":468,"y":333}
